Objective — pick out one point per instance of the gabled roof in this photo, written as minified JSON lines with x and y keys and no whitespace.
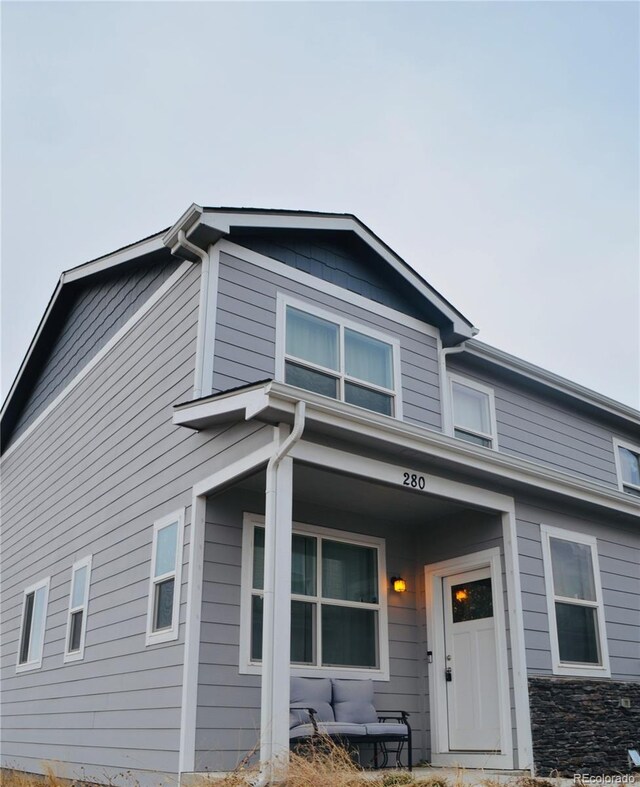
{"x":203,"y":226}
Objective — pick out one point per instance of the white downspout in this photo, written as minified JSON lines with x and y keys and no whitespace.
{"x":202,"y":308}
{"x":445,"y":398}
{"x":272,"y":682}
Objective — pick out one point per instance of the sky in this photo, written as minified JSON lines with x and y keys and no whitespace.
{"x":494,"y":146}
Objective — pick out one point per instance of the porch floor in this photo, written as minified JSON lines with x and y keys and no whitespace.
{"x":456,"y":777}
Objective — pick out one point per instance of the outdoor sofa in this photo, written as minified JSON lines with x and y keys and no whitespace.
{"x":344,"y":711}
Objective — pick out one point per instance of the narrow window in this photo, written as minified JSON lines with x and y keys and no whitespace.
{"x":473,"y":412}
{"x":574,"y":600}
{"x":341,"y":360}
{"x":628,"y":467}
{"x":34,"y":615}
{"x":164,"y":590}
{"x":77,"y":615}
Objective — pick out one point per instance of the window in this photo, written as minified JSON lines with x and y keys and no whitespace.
{"x":338,"y":601}
{"x":473,"y":412}
{"x":333,"y":357}
{"x":32,"y":627}
{"x":77,"y":615}
{"x":574,"y":599}
{"x":627,"y":466}
{"x":164,"y":587}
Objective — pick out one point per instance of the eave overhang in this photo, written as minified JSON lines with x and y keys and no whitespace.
{"x":271,"y":402}
{"x":203,"y":227}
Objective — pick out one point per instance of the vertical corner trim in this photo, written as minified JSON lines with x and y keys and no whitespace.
{"x":205,"y":344}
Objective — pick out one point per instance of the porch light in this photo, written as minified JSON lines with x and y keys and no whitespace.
{"x":398,"y":584}
{"x":462,"y":595}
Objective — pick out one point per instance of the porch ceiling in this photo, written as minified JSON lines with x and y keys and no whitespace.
{"x":322,"y":487}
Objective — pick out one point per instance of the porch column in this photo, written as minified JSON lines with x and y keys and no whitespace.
{"x":276,"y":631}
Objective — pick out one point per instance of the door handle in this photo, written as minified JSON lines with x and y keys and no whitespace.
{"x":447,"y":675}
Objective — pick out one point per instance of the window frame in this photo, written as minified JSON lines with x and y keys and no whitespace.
{"x":33,"y":663}
{"x":168,"y":634}
{"x":622,"y":484}
{"x":249,"y":667}
{"x":453,"y":377}
{"x":284,"y":301}
{"x":602,"y":670}
{"x":78,"y":655}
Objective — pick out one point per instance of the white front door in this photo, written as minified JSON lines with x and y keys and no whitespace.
{"x":471,"y":664}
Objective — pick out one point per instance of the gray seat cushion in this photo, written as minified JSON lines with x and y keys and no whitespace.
{"x":387,"y":728}
{"x":333,"y":728}
{"x":310,"y":693}
{"x":353,"y":701}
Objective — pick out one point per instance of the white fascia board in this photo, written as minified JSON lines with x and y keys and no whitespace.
{"x":34,"y":342}
{"x":555,"y":381}
{"x":275,"y":402}
{"x":223,"y":408}
{"x":117,"y":258}
{"x":189,"y":219}
{"x":435,"y":445}
{"x":222,"y":222}
{"x":74,"y":274}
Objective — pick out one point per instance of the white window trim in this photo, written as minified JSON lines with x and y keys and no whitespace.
{"x":450,"y":426}
{"x":617,"y":445}
{"x":570,"y":668}
{"x":78,"y":655}
{"x":283,"y":301}
{"x":248,"y":667}
{"x":36,"y":662}
{"x":168,"y":634}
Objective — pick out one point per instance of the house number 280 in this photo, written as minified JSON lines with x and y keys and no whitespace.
{"x":414,"y":480}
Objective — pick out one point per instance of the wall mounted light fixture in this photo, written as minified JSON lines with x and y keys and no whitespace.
{"x":398,"y":584}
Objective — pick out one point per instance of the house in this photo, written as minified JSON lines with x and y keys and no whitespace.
{"x":224,"y":442}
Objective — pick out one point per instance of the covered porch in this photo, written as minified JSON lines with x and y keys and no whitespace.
{"x":296,"y":546}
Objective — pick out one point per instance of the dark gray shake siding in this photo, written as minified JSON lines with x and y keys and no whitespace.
{"x":246,"y":335}
{"x":619,"y":558}
{"x":92,"y":479}
{"x":98,"y":310}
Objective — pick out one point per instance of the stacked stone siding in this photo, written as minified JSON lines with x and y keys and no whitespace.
{"x":579,"y":725}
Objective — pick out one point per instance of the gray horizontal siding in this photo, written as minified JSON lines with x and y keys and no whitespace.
{"x":541,"y":429}
{"x":246,"y":336}
{"x":619,"y":559}
{"x":103,"y":465}
{"x":98,"y":310}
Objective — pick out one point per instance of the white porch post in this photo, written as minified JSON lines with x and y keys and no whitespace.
{"x":276,"y":631}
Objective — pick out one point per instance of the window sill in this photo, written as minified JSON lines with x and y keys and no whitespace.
{"x":299,"y":671}
{"x":157,"y":637}
{"x":578,"y":671}
{"x":29,"y":667}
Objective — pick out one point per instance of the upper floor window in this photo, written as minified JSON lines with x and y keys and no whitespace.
{"x":574,"y":600}
{"x":77,"y":615}
{"x":164,"y":584}
{"x":473,"y":412}
{"x":339,"y":359}
{"x":338,"y":614}
{"x":628,"y":466}
{"x":34,"y":616}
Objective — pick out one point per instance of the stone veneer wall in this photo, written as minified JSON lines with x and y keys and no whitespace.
{"x":578,"y":725}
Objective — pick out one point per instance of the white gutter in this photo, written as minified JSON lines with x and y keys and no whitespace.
{"x":270,"y":746}
{"x":445,"y":399}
